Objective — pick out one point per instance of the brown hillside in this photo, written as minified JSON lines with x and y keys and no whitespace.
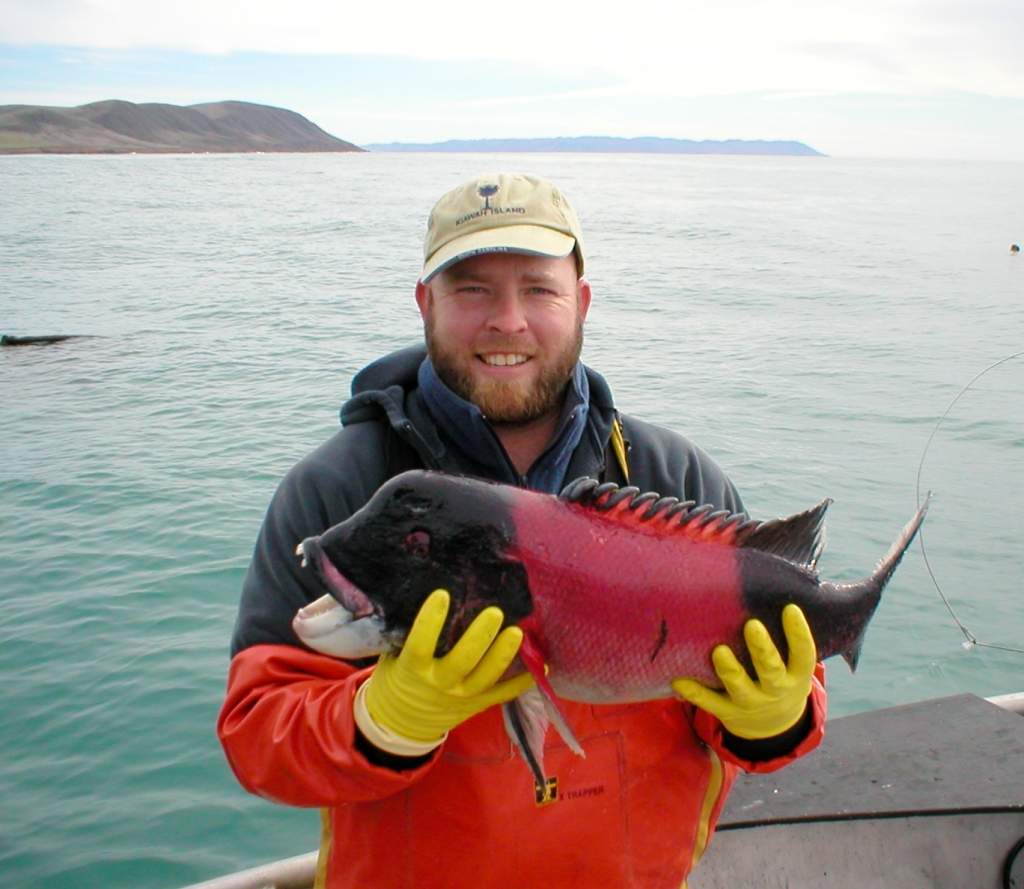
{"x":120,"y":127}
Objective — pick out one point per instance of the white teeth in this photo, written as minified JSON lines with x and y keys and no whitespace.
{"x":504,"y":360}
{"x":300,"y":551}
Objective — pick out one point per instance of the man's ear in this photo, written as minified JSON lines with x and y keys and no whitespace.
{"x":583,"y":296}
{"x":422,"y":298}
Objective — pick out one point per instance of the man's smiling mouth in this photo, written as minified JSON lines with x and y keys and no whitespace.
{"x":504,"y":359}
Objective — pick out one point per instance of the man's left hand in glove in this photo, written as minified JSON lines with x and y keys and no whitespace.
{"x":774,"y":703}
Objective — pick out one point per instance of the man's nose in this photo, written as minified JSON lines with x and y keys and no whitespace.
{"x":507,"y":315}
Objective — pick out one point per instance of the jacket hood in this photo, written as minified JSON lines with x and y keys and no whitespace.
{"x":380,"y":387}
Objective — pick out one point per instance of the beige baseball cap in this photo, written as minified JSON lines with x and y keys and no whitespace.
{"x":500,"y":213}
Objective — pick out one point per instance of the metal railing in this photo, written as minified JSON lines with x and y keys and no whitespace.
{"x":291,"y":873}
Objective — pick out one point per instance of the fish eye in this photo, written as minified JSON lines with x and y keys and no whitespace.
{"x":418,"y":544}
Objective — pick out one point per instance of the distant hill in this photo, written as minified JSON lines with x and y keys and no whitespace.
{"x":115,"y":127}
{"x":608,"y":145}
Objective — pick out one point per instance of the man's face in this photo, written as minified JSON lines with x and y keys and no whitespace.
{"x":504,"y":331}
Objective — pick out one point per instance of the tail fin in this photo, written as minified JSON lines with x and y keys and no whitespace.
{"x":877,"y":581}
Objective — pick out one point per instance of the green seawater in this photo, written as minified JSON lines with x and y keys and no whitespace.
{"x":806,"y":320}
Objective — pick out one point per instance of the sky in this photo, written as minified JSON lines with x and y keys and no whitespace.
{"x":899,"y":78}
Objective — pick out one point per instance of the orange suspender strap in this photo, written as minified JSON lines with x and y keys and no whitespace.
{"x":326,"y":837}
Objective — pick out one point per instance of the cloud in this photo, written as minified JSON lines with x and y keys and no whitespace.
{"x":900,"y":78}
{"x":176,"y":76}
{"x":879,"y":59}
{"x":677,"y":47}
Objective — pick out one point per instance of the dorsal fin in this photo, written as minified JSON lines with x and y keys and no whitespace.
{"x":663,"y":515}
{"x":799,"y":539}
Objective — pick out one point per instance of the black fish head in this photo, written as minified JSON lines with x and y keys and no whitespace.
{"x":420,"y":532}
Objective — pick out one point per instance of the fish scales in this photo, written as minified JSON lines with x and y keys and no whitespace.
{"x":624,"y":609}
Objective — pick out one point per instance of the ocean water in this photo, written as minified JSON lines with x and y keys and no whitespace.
{"x":806,"y":320}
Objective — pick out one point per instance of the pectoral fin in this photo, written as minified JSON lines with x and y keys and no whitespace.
{"x":528,"y":716}
{"x":532,"y":658}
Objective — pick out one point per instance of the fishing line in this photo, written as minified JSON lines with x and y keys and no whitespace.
{"x":970,"y":639}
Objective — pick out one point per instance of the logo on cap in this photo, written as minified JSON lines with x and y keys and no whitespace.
{"x":485,"y":191}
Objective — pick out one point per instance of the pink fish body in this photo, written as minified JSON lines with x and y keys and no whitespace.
{"x":623,"y":607}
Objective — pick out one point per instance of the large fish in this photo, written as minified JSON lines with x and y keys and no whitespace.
{"x":617,"y":592}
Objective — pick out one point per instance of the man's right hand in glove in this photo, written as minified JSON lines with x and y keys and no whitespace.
{"x":412,"y":699}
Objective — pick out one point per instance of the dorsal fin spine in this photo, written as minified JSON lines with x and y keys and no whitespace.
{"x":672,"y":518}
{"x":660,"y":507}
{"x":667,"y":515}
{"x":715,"y":526}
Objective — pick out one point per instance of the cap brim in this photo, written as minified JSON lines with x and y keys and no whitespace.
{"x":530,"y":239}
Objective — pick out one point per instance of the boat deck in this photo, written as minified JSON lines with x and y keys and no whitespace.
{"x":929,"y":794}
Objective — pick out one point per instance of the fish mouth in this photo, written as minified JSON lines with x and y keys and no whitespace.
{"x":348,"y":595}
{"x":344,"y":623}
{"x":328,"y":627}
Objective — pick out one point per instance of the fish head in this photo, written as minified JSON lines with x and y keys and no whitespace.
{"x":421,"y":531}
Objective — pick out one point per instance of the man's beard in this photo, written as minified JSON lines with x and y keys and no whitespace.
{"x":516,"y":403}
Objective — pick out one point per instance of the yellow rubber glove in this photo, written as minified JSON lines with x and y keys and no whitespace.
{"x":414,"y":699}
{"x":774,"y":703}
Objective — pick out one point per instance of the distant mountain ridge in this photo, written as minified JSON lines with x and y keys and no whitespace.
{"x":117,"y":127}
{"x":608,"y":145}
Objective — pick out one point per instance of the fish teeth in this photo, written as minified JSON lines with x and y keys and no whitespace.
{"x":300,"y":550}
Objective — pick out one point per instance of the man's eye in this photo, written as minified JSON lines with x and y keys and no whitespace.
{"x":418,"y":544}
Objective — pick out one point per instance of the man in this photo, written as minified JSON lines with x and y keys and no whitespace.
{"x":408,"y":757}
